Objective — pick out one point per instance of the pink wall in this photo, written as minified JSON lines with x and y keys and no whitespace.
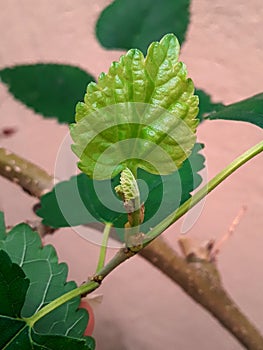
{"x":141,"y":308}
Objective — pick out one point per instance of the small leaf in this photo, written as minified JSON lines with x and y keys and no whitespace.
{"x":206,"y":106}
{"x":156,"y":133}
{"x":94,"y":200}
{"x":49,"y":89}
{"x":249,"y":110}
{"x":128,"y":188}
{"x":127,"y":24}
{"x":13,"y":287}
{"x":47,"y":282}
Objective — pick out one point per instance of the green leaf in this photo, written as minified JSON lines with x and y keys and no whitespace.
{"x":13,"y":287}
{"x":15,"y":334}
{"x":47,"y":282}
{"x":10,"y":330}
{"x":57,"y":342}
{"x":49,"y":89}
{"x":206,"y":106}
{"x":94,"y":200}
{"x":127,"y":24}
{"x":249,"y":110}
{"x":141,"y":114}
{"x":2,"y":225}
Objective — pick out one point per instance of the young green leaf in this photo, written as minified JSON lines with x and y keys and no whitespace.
{"x":249,"y":110}
{"x":49,"y":89}
{"x":47,"y":282}
{"x":142,"y":114}
{"x":95,"y":201}
{"x":128,"y":188}
{"x":127,"y":24}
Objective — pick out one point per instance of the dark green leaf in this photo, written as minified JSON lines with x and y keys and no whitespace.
{"x":47,"y":282}
{"x":206,"y":106}
{"x":58,"y":342}
{"x":16,"y":334}
{"x":2,"y":225}
{"x":126,"y":24}
{"x":10,"y":329}
{"x":14,"y":291}
{"x":94,"y":200}
{"x":13,"y":287}
{"x":49,"y":89}
{"x":142,"y":114}
{"x":249,"y":110}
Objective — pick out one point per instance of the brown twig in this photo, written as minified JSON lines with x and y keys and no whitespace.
{"x":201,"y":281}
{"x":27,"y":175}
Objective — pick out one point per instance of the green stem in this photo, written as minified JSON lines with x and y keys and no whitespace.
{"x":103,"y":249}
{"x":198,"y":196}
{"x":85,"y":288}
{"x":122,"y":255}
{"x":136,"y":214}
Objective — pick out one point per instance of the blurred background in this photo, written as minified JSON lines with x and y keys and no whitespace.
{"x":141,"y":308}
